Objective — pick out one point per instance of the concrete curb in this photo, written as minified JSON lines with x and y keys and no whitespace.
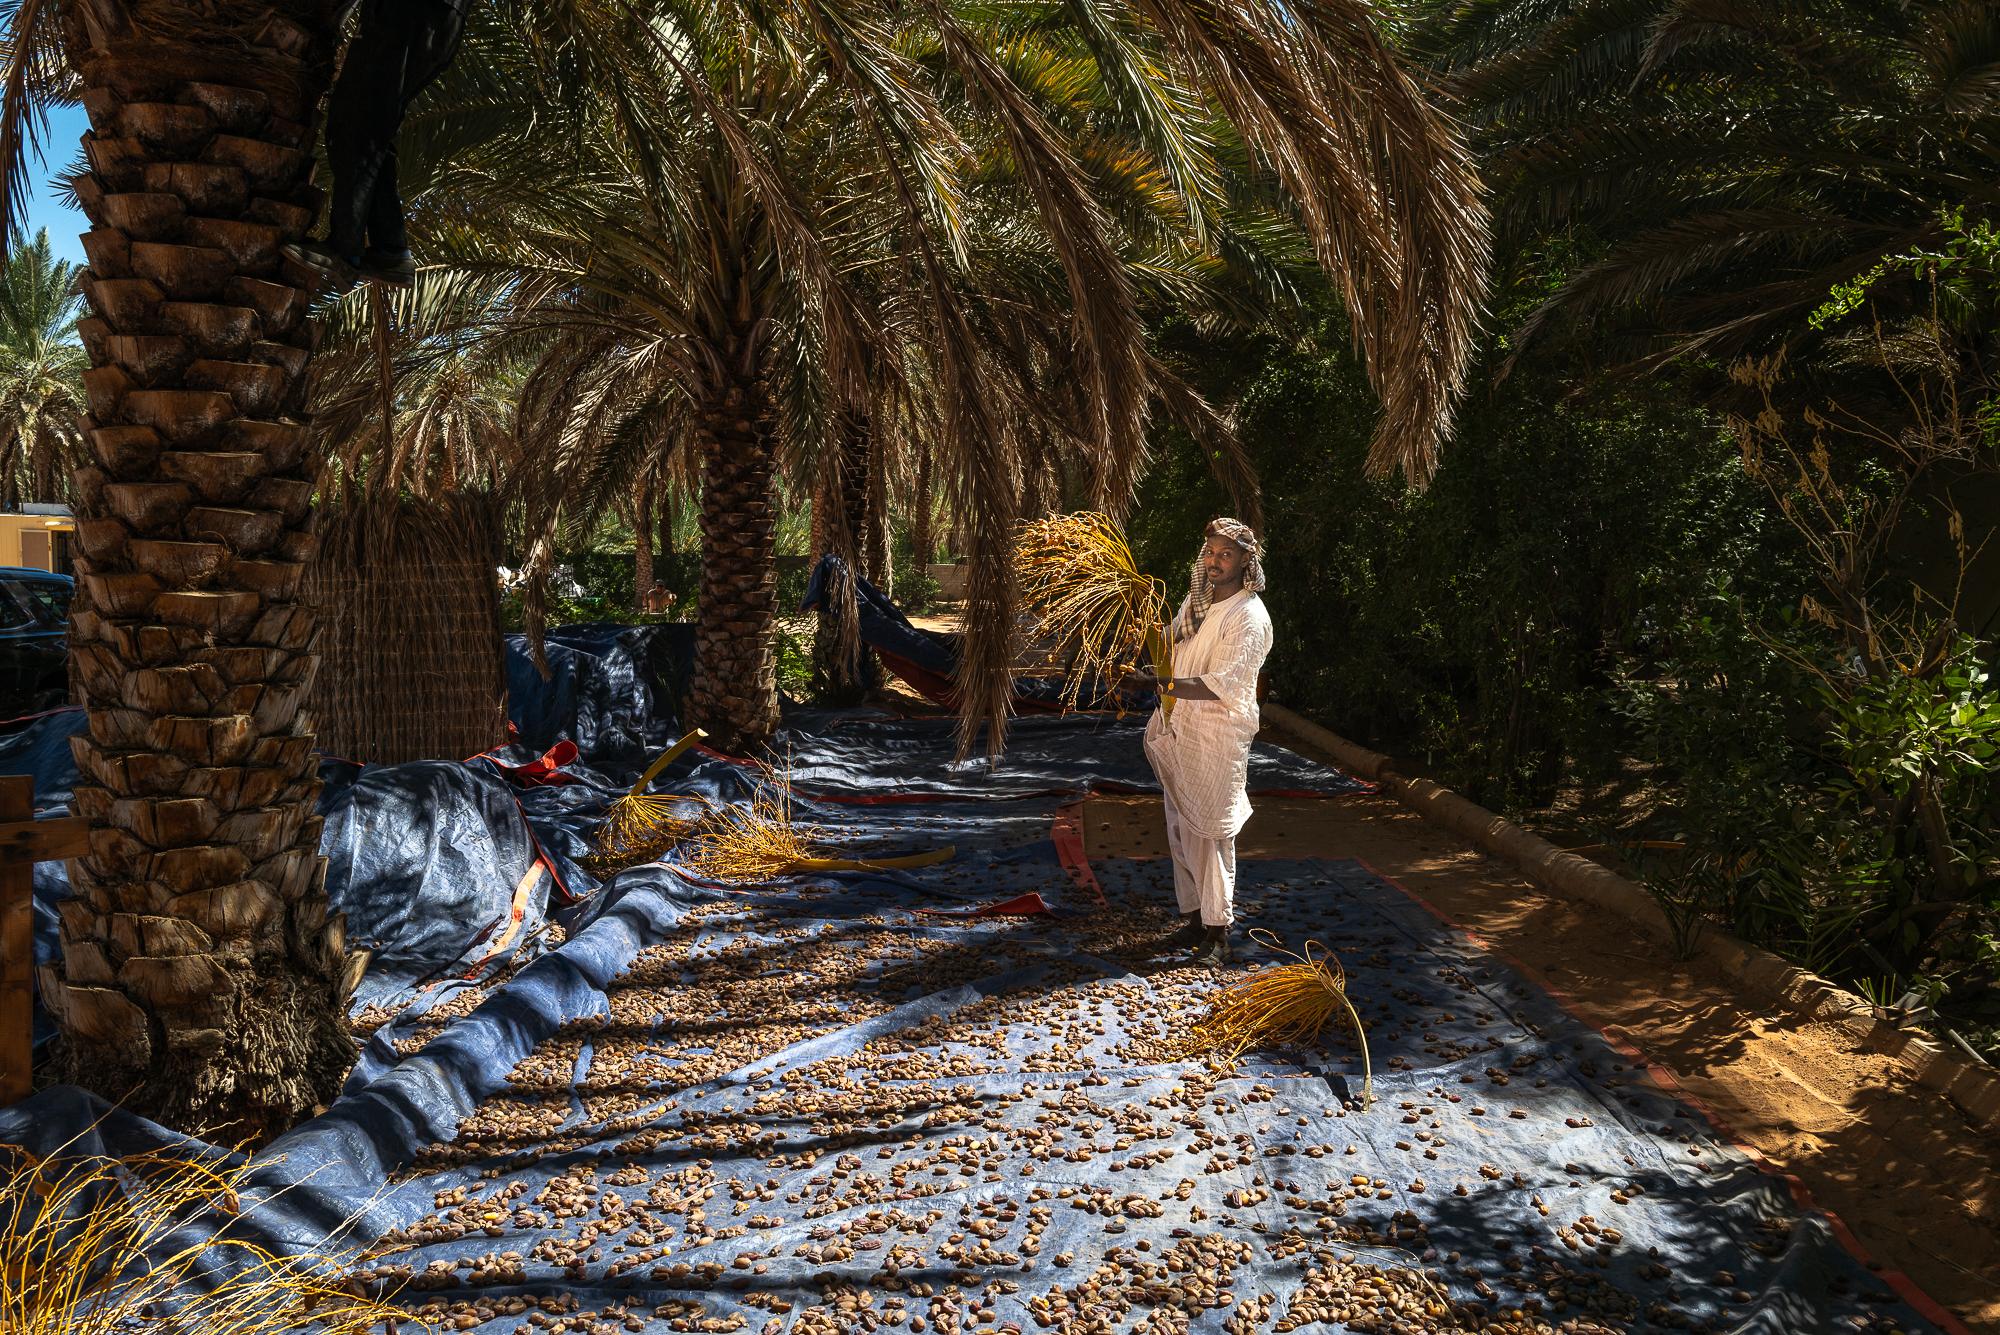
{"x":1974,"y":1089}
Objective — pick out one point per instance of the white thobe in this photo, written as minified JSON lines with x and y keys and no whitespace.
{"x":1202,"y":758}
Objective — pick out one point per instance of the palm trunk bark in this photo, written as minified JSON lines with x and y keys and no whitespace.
{"x":920,"y":520}
{"x":200,"y":974}
{"x":45,"y":460}
{"x":877,"y":554}
{"x":663,"y":517}
{"x":818,"y":541}
{"x":642,"y":544}
{"x":843,"y":519}
{"x":734,"y":694}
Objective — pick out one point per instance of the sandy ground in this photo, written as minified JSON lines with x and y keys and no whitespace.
{"x":1912,"y":1179}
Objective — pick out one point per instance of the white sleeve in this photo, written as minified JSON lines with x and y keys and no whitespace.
{"x":1246,"y":643}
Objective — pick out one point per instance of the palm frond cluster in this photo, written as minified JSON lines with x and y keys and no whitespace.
{"x":641,"y":825}
{"x":749,"y":843}
{"x":1710,"y":174}
{"x":1092,"y":607}
{"x":1280,"y":1005}
{"x":42,"y":362}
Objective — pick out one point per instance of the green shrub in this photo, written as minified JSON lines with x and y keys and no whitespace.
{"x":1477,"y":625}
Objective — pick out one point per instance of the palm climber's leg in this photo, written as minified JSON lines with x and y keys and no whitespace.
{"x":399,"y":47}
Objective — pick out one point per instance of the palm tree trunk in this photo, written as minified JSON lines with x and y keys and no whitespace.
{"x":11,"y":446}
{"x":663,"y":516}
{"x":920,"y":520}
{"x":842,"y":514}
{"x":734,"y":694}
{"x":642,"y":543}
{"x":200,"y":973}
{"x":878,"y":557}
{"x":817,"y":537}
{"x":45,"y":461}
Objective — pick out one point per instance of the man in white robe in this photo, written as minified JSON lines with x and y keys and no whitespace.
{"x":1221,"y":635}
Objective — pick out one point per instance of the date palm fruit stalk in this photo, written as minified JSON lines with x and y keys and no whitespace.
{"x":756,"y":841}
{"x":1090,"y":601}
{"x":639,"y":822}
{"x":1283,"y":1004}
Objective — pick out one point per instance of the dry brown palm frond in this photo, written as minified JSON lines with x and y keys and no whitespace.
{"x":746,"y":843}
{"x":1283,"y":1004}
{"x":1228,"y":459}
{"x":640,"y":824}
{"x":1382,"y":182}
{"x":1091,"y":603}
{"x":92,"y":1245}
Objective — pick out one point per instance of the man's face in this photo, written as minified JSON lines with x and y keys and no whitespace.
{"x":1223,"y":561}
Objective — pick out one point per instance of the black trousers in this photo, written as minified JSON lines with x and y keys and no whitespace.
{"x":399,"y":47}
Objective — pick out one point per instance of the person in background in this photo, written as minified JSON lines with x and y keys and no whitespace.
{"x":1221,"y":636}
{"x":398,"y":48}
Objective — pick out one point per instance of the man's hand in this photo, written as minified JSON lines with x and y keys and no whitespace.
{"x":1140,"y":680}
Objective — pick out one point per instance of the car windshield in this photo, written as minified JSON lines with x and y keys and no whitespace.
{"x":44,"y":601}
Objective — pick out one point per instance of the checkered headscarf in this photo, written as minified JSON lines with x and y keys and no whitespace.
{"x":1253,"y":570}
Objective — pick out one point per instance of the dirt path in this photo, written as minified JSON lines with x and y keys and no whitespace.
{"x":1917,"y":1185}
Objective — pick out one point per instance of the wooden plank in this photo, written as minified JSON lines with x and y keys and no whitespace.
{"x":17,"y":947}
{"x":44,"y":840}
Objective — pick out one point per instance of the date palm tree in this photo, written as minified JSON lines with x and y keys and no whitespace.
{"x":201,"y":977}
{"x":804,"y":243}
{"x":41,"y":375}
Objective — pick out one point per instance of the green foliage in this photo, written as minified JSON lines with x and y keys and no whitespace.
{"x":916,"y":589}
{"x":1965,"y":265}
{"x":795,"y":674}
{"x":1806,"y":795}
{"x":1477,"y":625}
{"x":1899,"y":731}
{"x":41,"y":375}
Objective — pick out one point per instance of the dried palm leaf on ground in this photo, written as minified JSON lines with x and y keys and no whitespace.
{"x":1091,"y":602}
{"x":639,"y":824}
{"x":92,"y":1245}
{"x":1282,"y":1004}
{"x":748,"y":842}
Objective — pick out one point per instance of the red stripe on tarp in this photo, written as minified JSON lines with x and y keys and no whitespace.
{"x":1066,"y":831}
{"x":46,"y":713}
{"x":1905,"y":1287}
{"x":935,"y":687}
{"x":555,"y":875}
{"x":713,"y":754}
{"x":1020,"y":906}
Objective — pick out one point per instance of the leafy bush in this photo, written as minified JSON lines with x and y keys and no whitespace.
{"x":794,"y":665}
{"x":916,"y":589}
{"x":1477,"y":625}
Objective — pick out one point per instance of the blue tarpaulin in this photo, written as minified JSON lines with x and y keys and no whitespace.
{"x":840,"y":1102}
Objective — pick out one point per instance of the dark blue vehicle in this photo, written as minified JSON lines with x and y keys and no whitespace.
{"x":34,"y":640}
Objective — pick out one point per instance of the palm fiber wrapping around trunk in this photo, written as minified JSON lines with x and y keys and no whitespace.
{"x":411,"y":656}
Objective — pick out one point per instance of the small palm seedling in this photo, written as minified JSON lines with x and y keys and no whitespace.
{"x":641,"y":825}
{"x":1090,"y":600}
{"x":1283,"y":1004}
{"x":744,"y":843}
{"x":96,"y":1245}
